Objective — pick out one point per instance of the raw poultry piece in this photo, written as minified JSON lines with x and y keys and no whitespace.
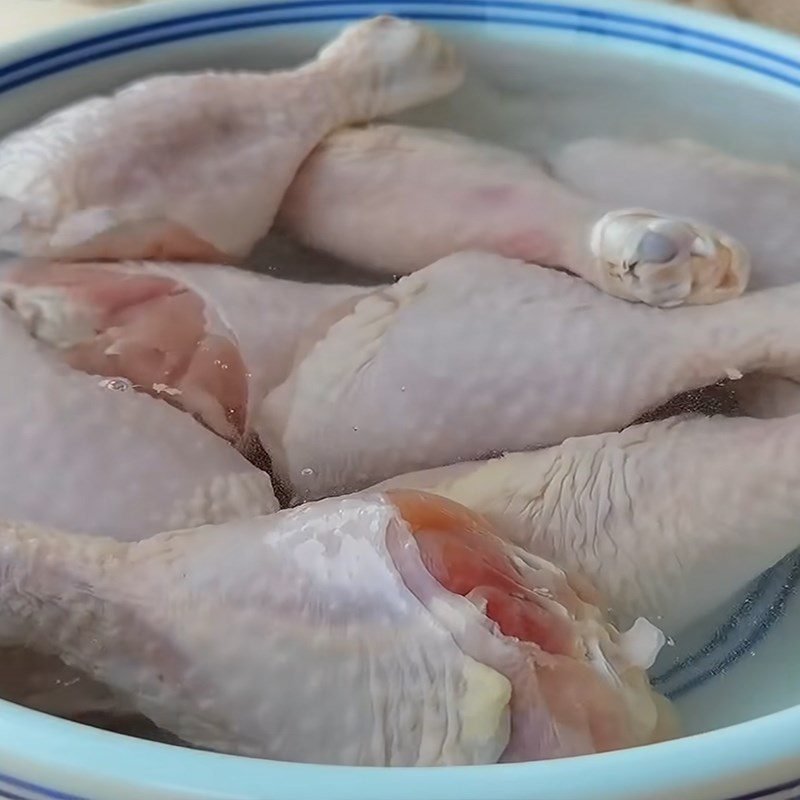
{"x":477,"y":354}
{"x":376,"y":630}
{"x":194,"y":166}
{"x":89,"y":454}
{"x":395,"y":199}
{"x":667,"y":519}
{"x":211,"y":340}
{"x":759,"y":202}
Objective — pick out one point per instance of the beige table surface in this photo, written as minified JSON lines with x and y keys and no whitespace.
{"x":19,"y":18}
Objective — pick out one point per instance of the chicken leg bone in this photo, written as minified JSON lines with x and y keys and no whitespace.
{"x":376,"y":630}
{"x":194,"y":167}
{"x":362,"y":193}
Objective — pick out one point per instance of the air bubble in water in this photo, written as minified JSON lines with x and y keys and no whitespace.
{"x":307,"y":472}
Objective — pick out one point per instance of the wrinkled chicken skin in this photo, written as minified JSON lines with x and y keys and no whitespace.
{"x":477,"y":355}
{"x":210,"y":340}
{"x":193,"y":167}
{"x":667,"y":519}
{"x":760,"y":202}
{"x":377,"y":630}
{"x":394,"y":199}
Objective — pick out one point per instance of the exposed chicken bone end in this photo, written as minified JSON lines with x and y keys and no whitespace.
{"x":50,"y":315}
{"x":412,"y":64}
{"x":667,"y":262}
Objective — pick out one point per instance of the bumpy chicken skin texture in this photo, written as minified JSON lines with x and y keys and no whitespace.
{"x":90,"y":455}
{"x":477,"y":355}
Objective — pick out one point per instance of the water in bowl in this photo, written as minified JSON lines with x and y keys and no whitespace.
{"x":730,"y":666}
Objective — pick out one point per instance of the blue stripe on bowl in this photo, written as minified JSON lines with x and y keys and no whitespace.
{"x":765,"y":603}
{"x":785,"y":791}
{"x":772,"y":586}
{"x":39,"y":794}
{"x":575,"y":12}
{"x":724,"y":632}
{"x":544,"y":16}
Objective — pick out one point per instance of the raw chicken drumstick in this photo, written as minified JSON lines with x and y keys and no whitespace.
{"x":760,"y":202}
{"x":378,"y":630}
{"x":211,"y":340}
{"x":195,"y":166}
{"x":667,"y":519}
{"x":394,"y":199}
{"x":88,"y":454}
{"x":478,"y":354}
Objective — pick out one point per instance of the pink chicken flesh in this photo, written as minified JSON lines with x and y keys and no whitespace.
{"x":209,"y":340}
{"x":383,"y":629}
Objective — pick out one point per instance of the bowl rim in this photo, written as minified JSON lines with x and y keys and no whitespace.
{"x":735,"y":43}
{"x":753,"y":755}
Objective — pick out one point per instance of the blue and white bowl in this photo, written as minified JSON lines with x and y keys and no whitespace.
{"x":541,"y":73}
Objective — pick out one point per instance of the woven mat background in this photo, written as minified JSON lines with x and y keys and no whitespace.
{"x":783,"y":14}
{"x":19,"y":17}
